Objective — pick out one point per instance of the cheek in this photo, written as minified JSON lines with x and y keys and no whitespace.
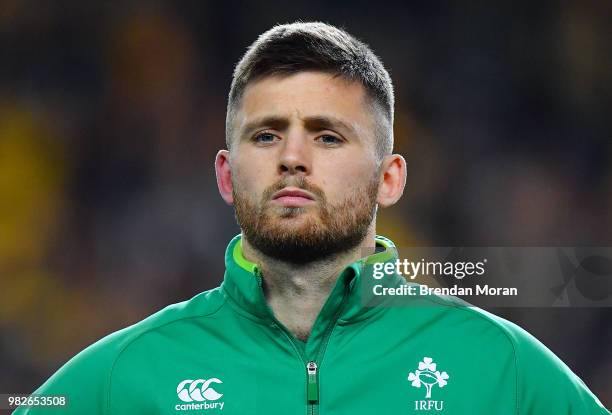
{"x":344,"y":179}
{"x":249,"y":179}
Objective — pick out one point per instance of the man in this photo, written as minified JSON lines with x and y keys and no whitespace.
{"x":309,"y":138}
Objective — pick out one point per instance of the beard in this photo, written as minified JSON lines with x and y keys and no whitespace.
{"x":293,"y":235}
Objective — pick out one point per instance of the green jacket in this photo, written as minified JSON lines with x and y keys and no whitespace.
{"x":223,"y":352}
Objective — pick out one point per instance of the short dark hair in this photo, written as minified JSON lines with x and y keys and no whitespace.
{"x":302,"y":46}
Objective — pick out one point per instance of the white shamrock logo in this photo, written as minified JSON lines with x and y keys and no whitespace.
{"x":427,"y":375}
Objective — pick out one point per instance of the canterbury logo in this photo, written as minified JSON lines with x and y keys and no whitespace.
{"x":198,"y":390}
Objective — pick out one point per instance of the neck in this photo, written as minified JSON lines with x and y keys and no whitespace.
{"x":295,"y":293}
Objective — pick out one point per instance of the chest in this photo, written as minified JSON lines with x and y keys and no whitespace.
{"x":359,"y":370}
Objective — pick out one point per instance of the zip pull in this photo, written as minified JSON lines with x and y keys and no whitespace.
{"x":312,"y":391}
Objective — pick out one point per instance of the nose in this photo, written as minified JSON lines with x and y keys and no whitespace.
{"x":295,"y":156}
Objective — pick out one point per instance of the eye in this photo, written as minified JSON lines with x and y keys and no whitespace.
{"x":329,"y":139}
{"x":265,"y":138}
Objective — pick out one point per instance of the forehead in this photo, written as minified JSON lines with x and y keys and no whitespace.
{"x":306,"y":94}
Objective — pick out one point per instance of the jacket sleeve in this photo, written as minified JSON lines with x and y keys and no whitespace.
{"x":83,"y":380}
{"x":546,"y":385}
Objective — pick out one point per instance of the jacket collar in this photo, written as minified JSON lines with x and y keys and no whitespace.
{"x":351,"y":298}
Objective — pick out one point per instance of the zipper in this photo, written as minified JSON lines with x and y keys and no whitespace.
{"x":312,"y":367}
{"x":312,"y":390}
{"x":313,"y":380}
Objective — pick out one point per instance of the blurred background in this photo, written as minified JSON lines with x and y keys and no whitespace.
{"x":111,"y":114}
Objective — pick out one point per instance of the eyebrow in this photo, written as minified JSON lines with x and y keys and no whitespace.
{"x":313,"y":123}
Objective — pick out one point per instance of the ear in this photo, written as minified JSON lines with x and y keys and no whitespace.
{"x":223,"y":171}
{"x":393,"y":180}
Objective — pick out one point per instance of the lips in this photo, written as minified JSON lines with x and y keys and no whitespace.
{"x":292,"y":192}
{"x":292,"y":197}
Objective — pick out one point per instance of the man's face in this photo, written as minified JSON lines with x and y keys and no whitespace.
{"x":304,"y":166}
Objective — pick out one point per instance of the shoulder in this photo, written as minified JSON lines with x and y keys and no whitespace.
{"x":484,"y":324}
{"x":543,"y":381}
{"x":96,"y":362}
{"x":203,"y":305}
